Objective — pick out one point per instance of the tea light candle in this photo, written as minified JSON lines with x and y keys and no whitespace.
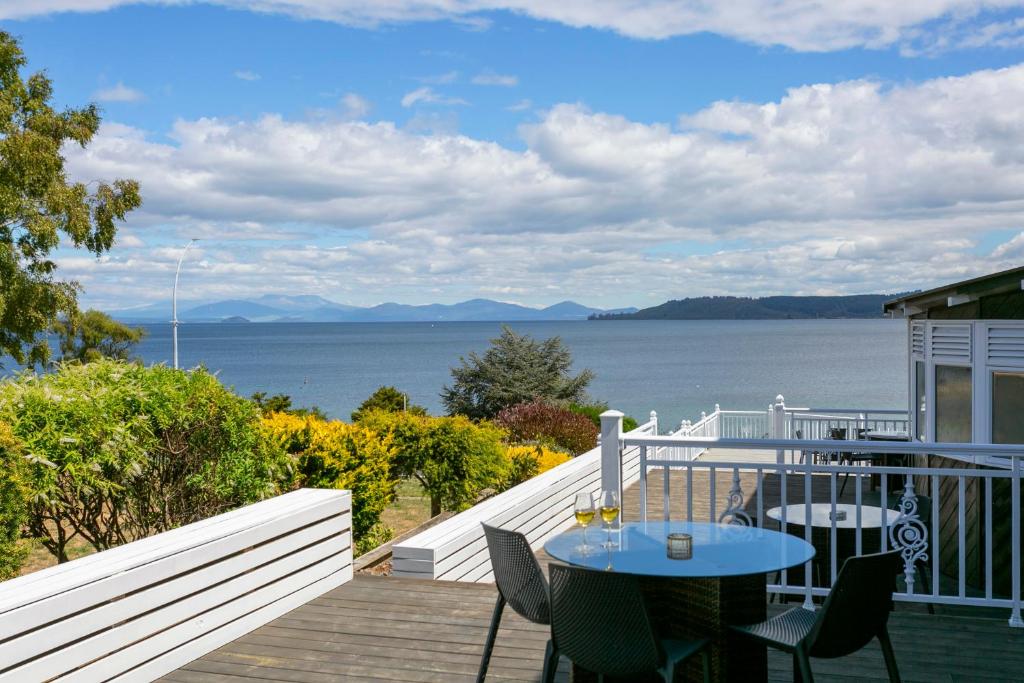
{"x":680,"y":546}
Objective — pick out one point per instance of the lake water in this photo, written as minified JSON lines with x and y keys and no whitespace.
{"x":677,"y":368}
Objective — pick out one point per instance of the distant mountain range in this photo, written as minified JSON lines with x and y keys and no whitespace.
{"x":766,"y":308}
{"x":308,"y":308}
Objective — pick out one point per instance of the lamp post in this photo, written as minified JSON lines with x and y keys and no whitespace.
{"x":174,"y":301}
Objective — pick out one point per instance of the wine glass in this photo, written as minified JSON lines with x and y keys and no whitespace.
{"x":609,"y":507}
{"x":585,"y":512}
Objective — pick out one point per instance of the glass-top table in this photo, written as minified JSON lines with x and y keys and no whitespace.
{"x":723,"y":583}
{"x":718,"y":550}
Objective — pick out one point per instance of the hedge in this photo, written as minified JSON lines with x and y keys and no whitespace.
{"x":332,"y":454}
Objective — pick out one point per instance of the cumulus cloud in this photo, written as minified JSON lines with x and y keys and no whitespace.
{"x":118,"y":93}
{"x":489,"y":77}
{"x":246,"y":75}
{"x":846,"y":187}
{"x":427,"y":95}
{"x":354,"y":106}
{"x":440,"y":79}
{"x":796,"y":24}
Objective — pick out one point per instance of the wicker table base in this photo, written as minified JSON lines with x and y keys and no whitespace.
{"x":703,"y":608}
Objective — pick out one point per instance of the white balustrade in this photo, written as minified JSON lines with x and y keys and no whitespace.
{"x":754,"y":483}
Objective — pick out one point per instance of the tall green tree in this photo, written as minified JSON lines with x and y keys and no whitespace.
{"x":90,"y":336}
{"x":515,"y":369}
{"x":39,"y":205}
{"x":388,"y":399}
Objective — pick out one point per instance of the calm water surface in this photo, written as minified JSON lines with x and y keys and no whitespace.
{"x":677,"y":368}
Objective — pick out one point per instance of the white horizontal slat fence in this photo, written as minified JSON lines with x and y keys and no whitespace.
{"x":141,"y":610}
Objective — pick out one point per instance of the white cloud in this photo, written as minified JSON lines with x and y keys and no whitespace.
{"x":915,"y":25}
{"x":847,"y":187}
{"x":118,"y":93}
{"x":355,"y":106}
{"x":489,"y":77}
{"x":440,"y":79}
{"x":427,"y":95}
{"x":247,"y":75}
{"x":521,"y":105}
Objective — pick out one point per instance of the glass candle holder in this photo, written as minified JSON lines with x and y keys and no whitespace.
{"x":839,"y":516}
{"x":680,"y":546}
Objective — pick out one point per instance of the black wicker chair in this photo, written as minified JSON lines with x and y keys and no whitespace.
{"x":600,"y":622}
{"x":855,"y":611}
{"x":521,"y":585}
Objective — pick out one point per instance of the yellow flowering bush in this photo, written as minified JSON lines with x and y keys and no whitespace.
{"x":526,"y":461}
{"x":333,"y":454}
{"x":14,"y":495}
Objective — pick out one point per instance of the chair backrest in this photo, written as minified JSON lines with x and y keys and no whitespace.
{"x":857,"y":608}
{"x":599,"y":621}
{"x":838,"y":433}
{"x":517,"y":574}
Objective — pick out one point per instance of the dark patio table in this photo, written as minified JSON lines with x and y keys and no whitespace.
{"x":723,"y":583}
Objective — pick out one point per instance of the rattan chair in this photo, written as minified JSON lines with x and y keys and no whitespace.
{"x":600,"y":622}
{"x":855,"y":611}
{"x":522,"y":586}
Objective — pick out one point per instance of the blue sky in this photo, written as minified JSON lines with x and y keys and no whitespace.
{"x":611,"y":154}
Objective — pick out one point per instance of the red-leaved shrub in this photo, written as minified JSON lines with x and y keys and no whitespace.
{"x":543,"y":423}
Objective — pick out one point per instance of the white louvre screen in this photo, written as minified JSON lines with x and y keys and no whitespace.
{"x":1005,"y":345}
{"x":951,"y":343}
{"x":917,"y":332}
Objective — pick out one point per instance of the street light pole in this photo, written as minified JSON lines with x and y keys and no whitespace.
{"x":174,"y":301}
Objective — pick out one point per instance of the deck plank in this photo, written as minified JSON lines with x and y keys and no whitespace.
{"x":389,"y":629}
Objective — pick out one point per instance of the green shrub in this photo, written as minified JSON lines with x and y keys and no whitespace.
{"x":388,"y":399}
{"x":526,"y":462}
{"x":119,"y":451}
{"x":453,"y":458}
{"x":332,"y":454}
{"x":542,"y":423}
{"x":593,"y":412}
{"x":14,"y":497}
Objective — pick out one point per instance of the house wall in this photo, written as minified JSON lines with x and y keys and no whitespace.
{"x":948,"y":529}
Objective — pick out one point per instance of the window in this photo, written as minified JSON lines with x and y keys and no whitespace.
{"x":921,"y":414}
{"x":1007,"y":407}
{"x":952,"y":404}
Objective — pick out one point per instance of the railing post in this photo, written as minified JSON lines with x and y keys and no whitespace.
{"x":777,"y":429}
{"x":654,"y":421}
{"x":611,"y":452}
{"x":1015,"y":618}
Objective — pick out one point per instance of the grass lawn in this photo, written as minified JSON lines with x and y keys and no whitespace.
{"x":410,"y":509}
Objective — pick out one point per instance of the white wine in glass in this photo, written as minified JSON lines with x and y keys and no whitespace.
{"x":585,"y":512}
{"x":609,"y":507}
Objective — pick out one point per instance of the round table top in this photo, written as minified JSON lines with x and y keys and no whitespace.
{"x":870,"y":516}
{"x":718,"y":550}
{"x":887,"y":436}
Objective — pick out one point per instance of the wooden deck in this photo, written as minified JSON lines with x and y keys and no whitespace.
{"x":397,"y":629}
{"x":391,"y":629}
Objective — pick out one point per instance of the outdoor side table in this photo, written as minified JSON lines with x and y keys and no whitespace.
{"x":888,"y":459}
{"x":821,"y":534}
{"x":722,"y":584}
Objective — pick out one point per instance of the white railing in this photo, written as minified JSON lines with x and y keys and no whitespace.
{"x":818,"y":423}
{"x":708,"y":426}
{"x":954,"y":494}
{"x":456,"y":550}
{"x":782,"y":422}
{"x":144,"y":609}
